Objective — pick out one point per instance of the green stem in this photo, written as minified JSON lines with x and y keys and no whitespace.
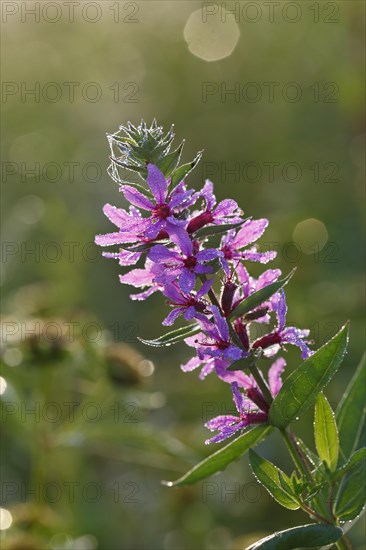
{"x":344,"y":543}
{"x":294,"y":455}
{"x":261,"y":383}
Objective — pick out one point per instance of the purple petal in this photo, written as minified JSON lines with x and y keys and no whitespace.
{"x":192,"y":364}
{"x":187,"y":281}
{"x":208,"y":255}
{"x":250,"y":231}
{"x":204,"y":288}
{"x":137,"y":277}
{"x":281,"y":310}
{"x":173,"y":315}
{"x":136,"y":198}
{"x":110,"y":239}
{"x":274,"y":376}
{"x":237,"y":396}
{"x":207,"y":193}
{"x":227,"y":207}
{"x":221,"y":421}
{"x":145,"y":294}
{"x":261,"y":257}
{"x":125,"y":257}
{"x":161,"y":254}
{"x":269,"y":276}
{"x":180,"y":237}
{"x":157,"y":183}
{"x":118,"y":216}
{"x":189,"y":313}
{"x":295,"y":336}
{"x":221,"y":323}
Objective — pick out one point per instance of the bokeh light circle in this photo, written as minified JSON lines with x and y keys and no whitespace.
{"x":310,"y":235}
{"x":211,"y":36}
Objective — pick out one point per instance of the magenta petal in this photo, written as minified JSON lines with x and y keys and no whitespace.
{"x":187,"y":281}
{"x":118,"y":216}
{"x":173,"y":315}
{"x":268,"y":277}
{"x":227,"y":207}
{"x":221,"y":421}
{"x":137,"y":277}
{"x":110,"y":239}
{"x":250,"y":231}
{"x":274,"y":375}
{"x":135,"y":197}
{"x":157,"y":183}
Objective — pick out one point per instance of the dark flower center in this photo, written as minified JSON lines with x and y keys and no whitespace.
{"x":162,"y":211}
{"x":227,"y":252}
{"x":190,"y":262}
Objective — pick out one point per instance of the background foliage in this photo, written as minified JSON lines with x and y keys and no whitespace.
{"x":150,"y":427}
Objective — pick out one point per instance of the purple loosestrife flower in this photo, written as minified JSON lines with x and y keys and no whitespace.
{"x":233,"y":243}
{"x":246,"y":286}
{"x":183,"y":265}
{"x":165,"y":209}
{"x":141,"y":278}
{"x":251,"y":405}
{"x":189,"y":305}
{"x":271,"y":343}
{"x":217,"y":341}
{"x":227,"y":211}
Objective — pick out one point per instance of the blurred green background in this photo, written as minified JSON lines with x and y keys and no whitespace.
{"x":112,"y":418}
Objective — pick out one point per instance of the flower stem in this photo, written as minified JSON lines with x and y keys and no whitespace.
{"x":261,"y":383}
{"x":294,"y":455}
{"x":344,"y":543}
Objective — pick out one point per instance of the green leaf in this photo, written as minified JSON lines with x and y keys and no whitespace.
{"x":326,"y":433}
{"x":257,"y":298}
{"x":274,"y":480}
{"x":351,"y":496}
{"x":301,"y":388}
{"x":358,"y":455}
{"x":169,"y":162}
{"x":172,"y":337}
{"x":351,"y":413}
{"x":210,"y":230}
{"x":223,"y":457}
{"x":181,"y":172}
{"x":306,"y":536}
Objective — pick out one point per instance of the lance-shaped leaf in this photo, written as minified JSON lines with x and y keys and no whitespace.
{"x":223,"y":457}
{"x":357,"y":456}
{"x":326,"y":433}
{"x":181,"y":172}
{"x":277,"y":483}
{"x":172,"y":337}
{"x":211,"y":230}
{"x":306,"y":536}
{"x":351,"y":413}
{"x":351,"y":496}
{"x":259,"y":297}
{"x":301,"y":388}
{"x":169,"y":162}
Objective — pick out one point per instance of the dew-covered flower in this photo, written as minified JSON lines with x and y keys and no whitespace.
{"x":165,"y":209}
{"x":272,"y":343}
{"x":216,"y":341}
{"x":189,"y":305}
{"x":251,"y":404}
{"x":183,"y":265}
{"x":234,"y":243}
{"x":226,"y":212}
